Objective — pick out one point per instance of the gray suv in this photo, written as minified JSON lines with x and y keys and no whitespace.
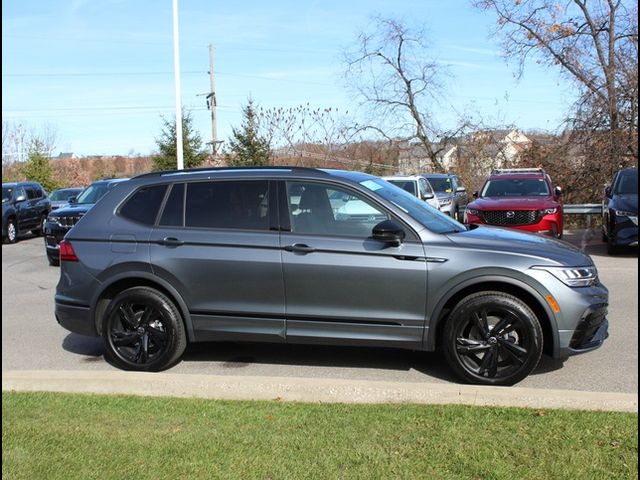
{"x":296,"y":255}
{"x":451,"y":194}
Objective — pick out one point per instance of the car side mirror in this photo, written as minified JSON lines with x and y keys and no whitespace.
{"x":20,"y":198}
{"x":607,"y":191}
{"x":389,"y":232}
{"x":428,"y":196}
{"x":461,"y":190}
{"x":73,"y":199}
{"x":476,"y":194}
{"x":557,"y":191}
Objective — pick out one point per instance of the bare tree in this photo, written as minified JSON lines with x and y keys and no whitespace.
{"x":595,"y":44}
{"x":391,"y":73}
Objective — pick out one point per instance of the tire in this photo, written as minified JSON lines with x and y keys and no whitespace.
{"x":611,"y":248}
{"x":143,"y":330}
{"x":12,"y":231}
{"x":557,"y":234}
{"x":53,"y":262}
{"x":479,"y":354}
{"x":38,"y":232}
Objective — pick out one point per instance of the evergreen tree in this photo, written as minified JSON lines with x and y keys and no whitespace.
{"x":37,"y":167}
{"x":247,"y":147}
{"x":192,"y":152}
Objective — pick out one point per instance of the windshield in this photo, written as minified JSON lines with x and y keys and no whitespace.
{"x":407,"y":185}
{"x":63,"y":195}
{"x":7,"y":193}
{"x":441,"y":184}
{"x":516,"y":187}
{"x":92,"y":193}
{"x":424,"y":213}
{"x":627,"y":183}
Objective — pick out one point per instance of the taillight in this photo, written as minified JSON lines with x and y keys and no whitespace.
{"x":66,"y":252}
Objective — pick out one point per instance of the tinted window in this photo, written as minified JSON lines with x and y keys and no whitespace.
{"x":327,"y":210}
{"x":627,"y":183}
{"x":172,"y":216}
{"x":408,"y":185}
{"x":228,"y":204}
{"x":92,"y":193}
{"x":515,"y":187}
{"x":31,"y":193}
{"x":143,"y":206}
{"x":62,"y":195}
{"x":441,"y":184}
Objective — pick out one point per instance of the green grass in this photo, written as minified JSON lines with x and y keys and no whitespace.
{"x":48,"y":435}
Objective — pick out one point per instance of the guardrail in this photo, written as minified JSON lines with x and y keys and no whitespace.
{"x":587,"y":209}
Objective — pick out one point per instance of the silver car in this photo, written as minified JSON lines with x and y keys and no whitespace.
{"x":416,"y":185}
{"x":290,"y":255}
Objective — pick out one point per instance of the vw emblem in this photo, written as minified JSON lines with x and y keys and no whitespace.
{"x":511,"y":214}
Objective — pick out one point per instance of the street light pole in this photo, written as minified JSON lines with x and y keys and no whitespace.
{"x":176,"y":70}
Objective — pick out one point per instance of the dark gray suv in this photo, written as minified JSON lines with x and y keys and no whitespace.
{"x":295,"y":255}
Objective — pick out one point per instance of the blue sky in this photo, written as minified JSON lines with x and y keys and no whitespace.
{"x":100,"y":72}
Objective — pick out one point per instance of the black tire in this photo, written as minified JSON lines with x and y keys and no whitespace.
{"x":492,"y":338}
{"x":12,"y":231}
{"x":143,"y":330}
{"x":40,"y":230}
{"x":604,"y":235}
{"x":53,"y":261}
{"x":611,"y":248}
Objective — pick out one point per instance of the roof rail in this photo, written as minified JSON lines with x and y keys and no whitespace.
{"x":222,"y":169}
{"x":517,"y":170}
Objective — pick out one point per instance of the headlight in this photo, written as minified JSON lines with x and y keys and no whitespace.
{"x":622,"y":213}
{"x":549,"y":211}
{"x":573,"y":276}
{"x":444,"y":201}
{"x":472,"y":211}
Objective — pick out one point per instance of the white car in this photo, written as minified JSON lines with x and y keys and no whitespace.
{"x":417,"y":186}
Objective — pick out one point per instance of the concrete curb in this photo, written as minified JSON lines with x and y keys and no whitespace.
{"x":310,"y":390}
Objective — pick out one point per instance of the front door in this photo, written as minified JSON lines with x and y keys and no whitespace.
{"x":341,"y":286}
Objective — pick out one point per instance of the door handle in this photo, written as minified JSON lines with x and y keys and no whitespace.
{"x":299,"y":248}
{"x":170,"y":242}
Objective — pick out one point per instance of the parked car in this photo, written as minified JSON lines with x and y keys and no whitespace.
{"x":61,"y":220}
{"x":60,"y":198}
{"x":261,"y":254}
{"x":620,"y":211}
{"x":416,"y":185}
{"x":452,"y":196}
{"x":520,"y":198}
{"x":25,"y":206}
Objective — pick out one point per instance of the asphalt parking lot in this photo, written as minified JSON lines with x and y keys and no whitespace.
{"x":32,"y":340}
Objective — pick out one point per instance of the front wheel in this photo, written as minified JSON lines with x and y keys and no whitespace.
{"x":40,"y":230}
{"x":143,"y":330}
{"x":492,"y":338}
{"x":12,"y":231}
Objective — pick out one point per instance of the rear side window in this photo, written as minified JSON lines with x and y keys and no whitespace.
{"x":143,"y":206}
{"x":173,"y":209}
{"x":228,"y":204}
{"x":31,"y":193}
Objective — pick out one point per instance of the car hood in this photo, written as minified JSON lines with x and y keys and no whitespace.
{"x":626,"y":203}
{"x":72,"y":209}
{"x":522,"y":243}
{"x":513,"y":203}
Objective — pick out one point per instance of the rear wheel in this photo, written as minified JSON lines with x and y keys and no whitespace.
{"x":612,"y":249}
{"x":143,"y":330}
{"x":492,"y":338}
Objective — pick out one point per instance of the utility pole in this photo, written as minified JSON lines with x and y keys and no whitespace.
{"x":212,"y":103}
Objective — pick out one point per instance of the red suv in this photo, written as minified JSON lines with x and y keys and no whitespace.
{"x":522,"y":198}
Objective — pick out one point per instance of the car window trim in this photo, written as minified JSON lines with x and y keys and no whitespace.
{"x":411,"y":235}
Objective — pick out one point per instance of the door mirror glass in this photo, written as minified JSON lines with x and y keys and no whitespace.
{"x":427,"y":196}
{"x":557,"y":191}
{"x":388,"y":232}
{"x":607,"y":191}
{"x":461,"y":190}
{"x":73,"y":199}
{"x":21,"y":198}
{"x":475,"y":194}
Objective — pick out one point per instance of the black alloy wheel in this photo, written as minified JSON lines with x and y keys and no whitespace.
{"x":492,"y":338}
{"x":143,"y":330}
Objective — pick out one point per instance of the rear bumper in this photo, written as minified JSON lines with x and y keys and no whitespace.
{"x":75,"y":318}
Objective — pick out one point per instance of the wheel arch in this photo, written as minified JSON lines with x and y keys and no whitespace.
{"x":518,"y":289}
{"x":140,"y":279}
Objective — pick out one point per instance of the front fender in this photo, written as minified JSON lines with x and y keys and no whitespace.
{"x":478,"y":281}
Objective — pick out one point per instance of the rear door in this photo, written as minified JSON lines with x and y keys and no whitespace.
{"x":341,"y":286}
{"x":214,"y":241}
